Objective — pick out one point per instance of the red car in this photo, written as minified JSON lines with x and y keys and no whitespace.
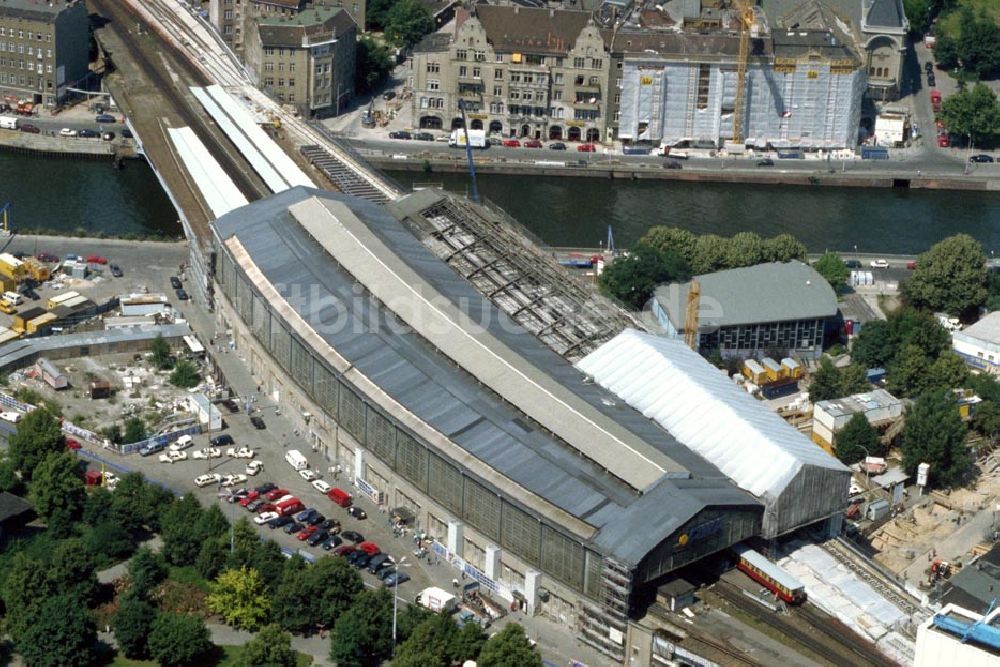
{"x":252,"y":496}
{"x":511,"y":143}
{"x":586,"y":148}
{"x":96,"y":259}
{"x":943,"y":141}
{"x":370,"y":548}
{"x":73,"y":444}
{"x":343,"y":550}
{"x":276,"y":493}
{"x":533,"y":143}
{"x":306,"y":532}
{"x":46,"y":257}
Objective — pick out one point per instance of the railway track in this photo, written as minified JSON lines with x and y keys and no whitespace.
{"x":889,"y":589}
{"x":693,"y":639}
{"x":839,"y":637}
{"x":121,"y":18}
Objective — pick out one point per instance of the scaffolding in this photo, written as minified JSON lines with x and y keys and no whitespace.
{"x":487,"y":249}
{"x":605,"y":625}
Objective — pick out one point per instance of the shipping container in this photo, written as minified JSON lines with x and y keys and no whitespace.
{"x":7,"y":335}
{"x":754,"y":371}
{"x":773,"y":369}
{"x":793,"y":369}
{"x":21,"y":319}
{"x":41,"y":323}
{"x":59,"y":298}
{"x":779,"y":389}
{"x":11,"y":266}
{"x":76,"y":301}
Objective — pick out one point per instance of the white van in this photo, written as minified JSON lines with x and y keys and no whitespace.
{"x":296,"y":460}
{"x":182,"y":442}
{"x":14,"y":298}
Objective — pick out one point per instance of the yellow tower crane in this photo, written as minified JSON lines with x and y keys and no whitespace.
{"x":691,"y":315}
{"x":744,"y":10}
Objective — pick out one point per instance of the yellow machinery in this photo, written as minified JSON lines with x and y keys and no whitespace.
{"x":691,"y":316}
{"x":7,"y":307}
{"x":746,"y":17}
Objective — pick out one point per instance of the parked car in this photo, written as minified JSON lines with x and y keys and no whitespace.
{"x":308,"y":475}
{"x":532,"y":143}
{"x":240,"y":453}
{"x":981,"y":158}
{"x":73,"y":443}
{"x":181,"y":294}
{"x":317,"y":538}
{"x":306,"y":532}
{"x":395,"y":579}
{"x":852,"y":263}
{"x":879,"y":263}
{"x":67,"y":132}
{"x":106,"y":118}
{"x":202,"y":481}
{"x":358,"y":513}
{"x":766,"y":162}
{"x":175,"y":282}
{"x":279,"y":522}
{"x":31,"y":129}
{"x":88,"y":134}
{"x":423,"y":136}
{"x":557,"y":146}
{"x":361,"y":560}
{"x":233,"y":480}
{"x":378,"y":562}
{"x":254,"y":468}
{"x":116,"y":271}
{"x":929,"y":66}
{"x":173,"y":457}
{"x":275,"y":494}
{"x":672,"y":164}
{"x":304,"y":515}
{"x":255,"y":504}
{"x":332,"y":542}
{"x":353,"y":536}
{"x":265,"y":517}
{"x":369,"y":548}
{"x":46,"y":257}
{"x":316,"y":519}
{"x":400,"y":134}
{"x":345,"y":550}
{"x":258,"y":423}
{"x":127,"y":133}
{"x":182,"y":442}
{"x":265,"y":487}
{"x":385,"y":572}
{"x":492,"y":141}
{"x":943,"y":141}
{"x":586,"y":148}
{"x":222,"y":440}
{"x":207,"y":453}
{"x":292,"y":528}
{"x":108,"y":136}
{"x":911,"y":265}
{"x":389,"y":95}
{"x":152,"y":448}
{"x":249,"y":498}
{"x":511,"y":143}
{"x":331,"y":525}
{"x":321,"y":486}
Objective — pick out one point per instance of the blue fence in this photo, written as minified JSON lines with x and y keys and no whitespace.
{"x":163,"y":439}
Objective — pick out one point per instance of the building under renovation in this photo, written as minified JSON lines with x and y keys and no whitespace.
{"x":803,"y":86}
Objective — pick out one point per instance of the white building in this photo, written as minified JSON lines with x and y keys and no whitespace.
{"x":879,"y":407}
{"x":979,"y":345}
{"x":957,"y":636}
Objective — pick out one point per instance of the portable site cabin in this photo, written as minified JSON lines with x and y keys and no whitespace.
{"x":52,"y":375}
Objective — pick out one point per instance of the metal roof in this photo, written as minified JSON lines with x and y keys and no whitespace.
{"x":666,"y":381}
{"x":771,"y":292}
{"x":380,"y":351}
{"x":25,"y":347}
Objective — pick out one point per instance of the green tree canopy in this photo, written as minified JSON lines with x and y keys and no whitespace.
{"x":509,"y":648}
{"x":974,"y":48}
{"x":362,"y":636}
{"x":986,"y":420}
{"x":271,"y":647}
{"x":178,"y":528}
{"x":710,"y":254}
{"x":950,"y":277}
{"x":132,"y":624}
{"x":240,"y":598}
{"x":376,"y":12}
{"x":62,"y":634}
{"x":185,"y":375}
{"x":407,"y":22}
{"x":745,"y":249}
{"x":162,"y":358}
{"x":57,"y":491}
{"x":97,"y":507}
{"x":38,"y":435}
{"x":430,"y":643}
{"x":784,"y":248}
{"x":973,"y":113}
{"x":934,"y":433}
{"x":918,"y":12}
{"x":373,"y":63}
{"x":826,"y":383}
{"x":135,"y":430}
{"x":881,"y":341}
{"x":633,"y":279}
{"x":25,"y":586}
{"x":178,"y":639}
{"x":145,"y":571}
{"x":833,"y":270}
{"x":671,"y":239}
{"x":10,"y":481}
{"x":857,"y":437}
{"x":109,"y":540}
{"x":73,"y":570}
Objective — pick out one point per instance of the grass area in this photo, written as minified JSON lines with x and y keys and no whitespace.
{"x":225,"y":657}
{"x":188,"y":575}
{"x":948,"y":23}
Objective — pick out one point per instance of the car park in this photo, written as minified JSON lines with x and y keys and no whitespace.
{"x":175,"y":282}
{"x":254,"y":468}
{"x":981,"y":158}
{"x":586,"y":148}
{"x":222,"y":440}
{"x":279,"y":522}
{"x":400,"y":134}
{"x":265,"y":517}
{"x":292,"y":528}
{"x":396,"y":578}
{"x":116,"y":271}
{"x":181,"y":294}
{"x":321,"y":486}
{"x":879,"y":263}
{"x":202,"y":481}
{"x":512,"y":143}
{"x":258,"y":423}
{"x":332,"y":542}
{"x":105,"y":118}
{"x":353,"y":536}
{"x":67,"y":132}
{"x":532,"y":143}
{"x":557,"y":146}
{"x":207,"y":453}
{"x":308,"y":475}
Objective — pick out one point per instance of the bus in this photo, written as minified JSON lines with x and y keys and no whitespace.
{"x":768,"y":574}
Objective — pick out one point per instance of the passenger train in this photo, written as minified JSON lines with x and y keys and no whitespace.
{"x":764,"y":572}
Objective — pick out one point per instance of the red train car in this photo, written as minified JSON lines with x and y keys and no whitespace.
{"x":772,"y":577}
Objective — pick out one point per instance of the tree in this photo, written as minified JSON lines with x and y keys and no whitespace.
{"x":9,"y":479}
{"x":826,"y":383}
{"x":335,"y":585}
{"x":271,"y":647}
{"x":950,"y":277}
{"x":709,"y":254}
{"x":38,"y":435}
{"x":25,"y":586}
{"x":973,"y":113}
{"x":873,"y":347}
{"x":376,"y":12}
{"x":856,"y":440}
{"x":162,"y":359}
{"x":833,"y":270}
{"x":109,"y":539}
{"x":407,"y":22}
{"x":908,"y":374}
{"x":178,"y":639}
{"x":373,"y":63}
{"x":633,"y":279}
{"x":135,"y":430}
{"x":429,"y":644}
{"x":132,"y":624}
{"x":61,"y":635}
{"x":986,"y":420}
{"x":185,"y":375}
{"x":509,"y":648}
{"x":130,"y":504}
{"x":145,"y":570}
{"x":947,"y":372}
{"x":179,"y":530}
{"x":212,"y":557}
{"x":73,"y":570}
{"x":239,"y":596}
{"x":468,"y":643}
{"x":97,"y":506}
{"x":671,"y":239}
{"x":934,"y":433}
{"x":919,"y":14}
{"x":57,"y":492}
{"x":745,"y":249}
{"x":784,"y":248}
{"x":362,"y":636}
{"x":854,"y":380}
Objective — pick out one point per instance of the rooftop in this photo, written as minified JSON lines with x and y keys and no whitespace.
{"x":772,"y":292}
{"x":986,"y":330}
{"x":511,"y":411}
{"x":868,"y":401}
{"x":315,"y":21}
{"x":36,"y":10}
{"x":531,"y":30}
{"x":12,"y":507}
{"x":976,"y":585}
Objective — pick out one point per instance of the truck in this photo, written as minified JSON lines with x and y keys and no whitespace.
{"x":8,"y":123}
{"x":477,"y":138}
{"x":288,"y":506}
{"x":296,"y":459}
{"x":437,"y":600}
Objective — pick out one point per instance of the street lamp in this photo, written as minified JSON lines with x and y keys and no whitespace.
{"x":395,"y":598}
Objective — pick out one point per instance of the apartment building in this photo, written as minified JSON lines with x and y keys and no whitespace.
{"x":44,"y":49}
{"x":520,"y":72}
{"x":234,"y":19}
{"x":305,"y":60}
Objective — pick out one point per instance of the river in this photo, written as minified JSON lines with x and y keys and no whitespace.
{"x":577,"y":211}
{"x":73,"y":196}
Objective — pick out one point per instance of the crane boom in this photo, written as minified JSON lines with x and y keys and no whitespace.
{"x":746,"y":17}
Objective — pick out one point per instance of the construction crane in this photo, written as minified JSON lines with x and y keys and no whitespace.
{"x":468,"y":154}
{"x":691,"y":315}
{"x":745,"y":15}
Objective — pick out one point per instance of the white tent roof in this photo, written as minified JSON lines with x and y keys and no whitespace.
{"x":664,"y":380}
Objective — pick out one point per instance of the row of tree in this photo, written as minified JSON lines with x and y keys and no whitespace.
{"x":973,"y":46}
